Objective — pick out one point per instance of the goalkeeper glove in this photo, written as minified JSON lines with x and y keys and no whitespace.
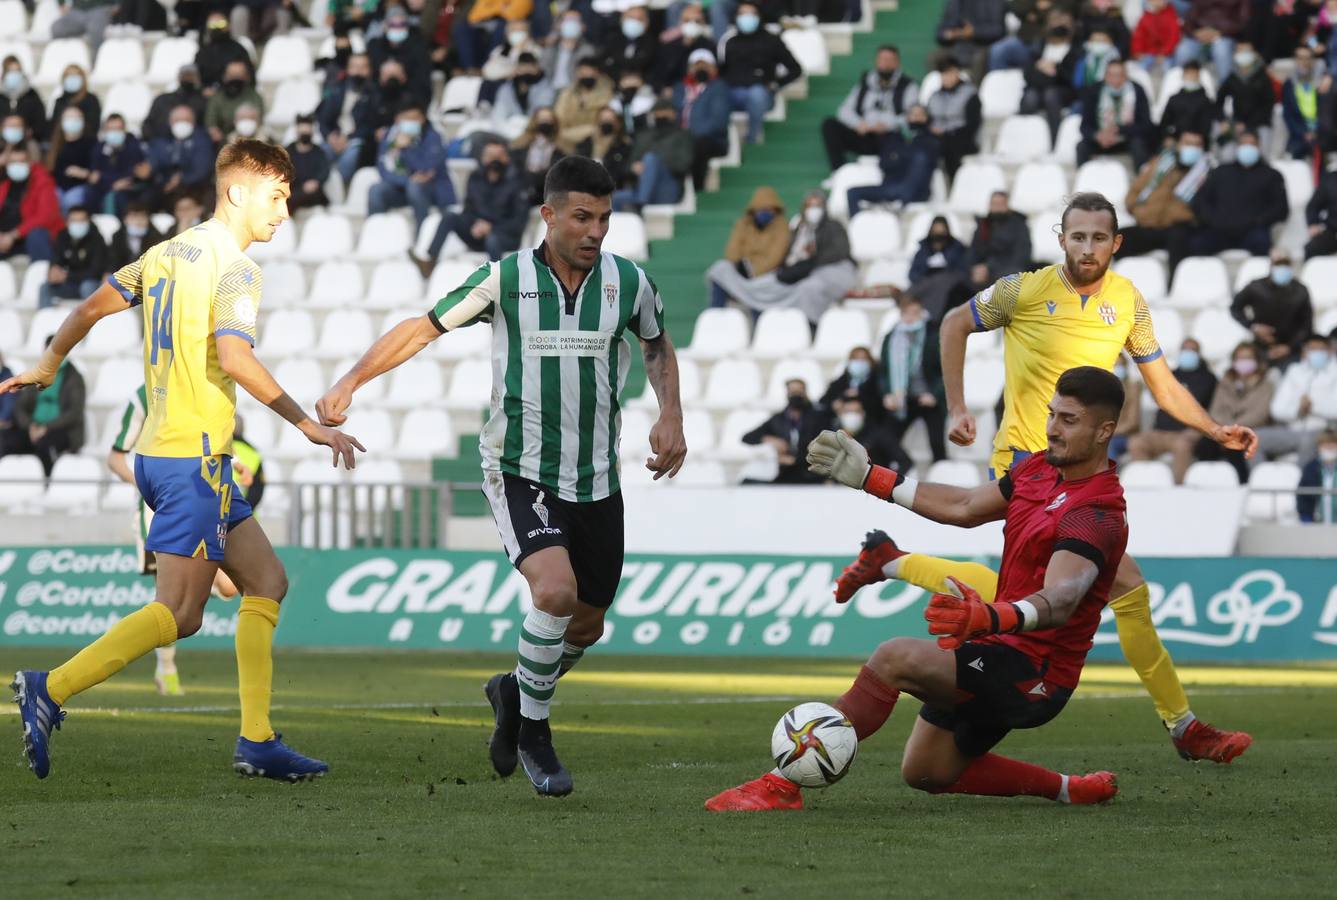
{"x":836,"y":455}
{"x":962,"y":616}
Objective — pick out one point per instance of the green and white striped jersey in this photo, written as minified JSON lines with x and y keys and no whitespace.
{"x":559,"y":363}
{"x":132,"y":422}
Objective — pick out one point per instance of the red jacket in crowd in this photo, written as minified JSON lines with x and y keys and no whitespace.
{"x":1157,"y":34}
{"x":40,"y":207}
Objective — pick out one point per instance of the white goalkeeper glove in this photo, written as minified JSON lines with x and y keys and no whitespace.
{"x":836,"y":455}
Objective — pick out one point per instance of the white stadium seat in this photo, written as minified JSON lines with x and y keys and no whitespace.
{"x":1326,"y":322}
{"x":337,"y":282}
{"x":169,"y":55}
{"x":470,"y":385}
{"x":890,"y":319}
{"x":702,"y":473}
{"x":1319,"y":275}
{"x":781,"y":333}
{"x":809,"y":371}
{"x":20,"y":480}
{"x":22,"y":51}
{"x":809,"y":47}
{"x":115,"y":381}
{"x":280,"y":246}
{"x":955,"y":472}
{"x":626,"y":237}
{"x":283,"y":283}
{"x":44,"y":323}
{"x":1103,"y":176}
{"x":1044,"y":236}
{"x":729,"y":444}
{"x":1169,"y":326}
{"x":11,"y":329}
{"x":417,"y":382}
{"x":355,"y":200}
{"x":840,"y":331}
{"x":373,"y":427}
{"x":1000,"y":93}
{"x":118,"y":59}
{"x":461,"y":94}
{"x":1069,"y":136}
{"x":1200,"y":281}
{"x":116,"y":335}
{"x":303,"y":378}
{"x":855,"y":174}
{"x":1211,"y":475}
{"x":383,"y":236}
{"x":931,"y":84}
{"x":13,"y":19}
{"x":895,"y":272}
{"x":394,"y":283}
{"x":1147,"y":273}
{"x":718,"y":333}
{"x":1218,"y":333}
{"x":285,"y":332}
{"x":285,"y":56}
{"x":1022,"y":139}
{"x":1151,"y":474}
{"x":1299,"y":178}
{"x":732,"y":383}
{"x":983,"y":383}
{"x":698,"y":429}
{"x":75,"y":483}
{"x":1266,"y":506}
{"x":107,"y":226}
{"x":292,"y":98}
{"x":9,"y":291}
{"x":1038,"y":186}
{"x":973,"y":184}
{"x":131,"y":99}
{"x":448,"y":275}
{"x":39,"y":27}
{"x":344,"y":331}
{"x":325,"y":236}
{"x":636,"y":425}
{"x":57,"y":55}
{"x":1252,"y":269}
{"x":874,"y":234}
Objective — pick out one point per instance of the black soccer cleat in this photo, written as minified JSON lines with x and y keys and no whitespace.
{"x":546,"y":772}
{"x":503,"y":692}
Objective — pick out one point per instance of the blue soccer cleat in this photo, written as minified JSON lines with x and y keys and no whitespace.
{"x":275,"y":759}
{"x":40,"y":714}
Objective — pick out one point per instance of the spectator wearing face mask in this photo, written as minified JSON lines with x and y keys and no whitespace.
{"x":29,"y":209}
{"x":1211,"y":28}
{"x":403,"y":42}
{"x":112,"y":183}
{"x":70,"y":159}
{"x":311,"y":166}
{"x":968,"y":28}
{"x":1002,"y":239}
{"x":1277,"y":310}
{"x":78,"y":261}
{"x":816,"y":271}
{"x":1156,"y":36}
{"x":412,"y":163}
{"x":578,"y":105}
{"x":537,"y":149}
{"x":1190,"y":109}
{"x":910,"y":377}
{"x":908,"y":157}
{"x":566,"y":50}
{"x":1321,"y":216}
{"x":501,"y":62}
{"x":1116,"y":118}
{"x":1129,"y":422}
{"x":135,"y":237}
{"x":1161,"y":197}
{"x":678,"y":44}
{"x":661,"y":158}
{"x":527,"y":91}
{"x":496,"y":208}
{"x":954,"y":117}
{"x":392,"y":95}
{"x":85,"y":18}
{"x":1304,"y":403}
{"x":756,"y":65}
{"x":1244,"y":396}
{"x":1168,"y":434}
{"x":632,"y":47}
{"x":1300,"y":101}
{"x":218,"y":49}
{"x":1246,"y":98}
{"x":859,"y":379}
{"x":246,"y":124}
{"x":789,"y":432}
{"x":1320,"y":508}
{"x":182,"y":162}
{"x":1050,"y":76}
{"x":220,"y":114}
{"x":633,"y":101}
{"x":1239,"y":203}
{"x":74,"y":95}
{"x":1097,"y":52}
{"x":19,"y":98}
{"x":874,"y":108}
{"x":349,"y":116}
{"x":938,"y":252}
{"x":611,"y":145}
{"x":703,"y":106}
{"x":482,"y":28}
{"x":853,"y":415}
{"x":187,"y":93}
{"x":758,"y":241}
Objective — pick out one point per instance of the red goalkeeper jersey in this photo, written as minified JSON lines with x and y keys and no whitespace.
{"x":1046,"y":514}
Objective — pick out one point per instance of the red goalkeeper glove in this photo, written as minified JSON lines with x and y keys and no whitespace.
{"x":963,"y":616}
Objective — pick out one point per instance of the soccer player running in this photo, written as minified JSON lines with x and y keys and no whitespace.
{"x":1010,"y":664}
{"x":559,"y":314}
{"x":1072,"y":314}
{"x":199,"y":295}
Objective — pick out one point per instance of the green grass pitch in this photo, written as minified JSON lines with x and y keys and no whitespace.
{"x":141,"y":801}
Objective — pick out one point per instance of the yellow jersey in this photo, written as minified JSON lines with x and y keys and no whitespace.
{"x":192,"y":288}
{"x":1049,"y":327}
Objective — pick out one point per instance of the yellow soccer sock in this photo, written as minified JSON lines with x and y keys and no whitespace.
{"x":1144,"y":651}
{"x":125,"y":642}
{"x":255,"y":665}
{"x":930,"y":573}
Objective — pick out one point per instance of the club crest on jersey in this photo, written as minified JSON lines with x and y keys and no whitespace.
{"x":1108,"y":314}
{"x":610,"y":294}
{"x":1051,"y":305}
{"x":1058,"y":501}
{"x":540,"y":510}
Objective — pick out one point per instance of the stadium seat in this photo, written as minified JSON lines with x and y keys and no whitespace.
{"x":1169,"y":326}
{"x":1104,"y":176}
{"x":1022,"y":139}
{"x":1200,"y":282}
{"x":11,"y":329}
{"x":305,"y":379}
{"x":780,"y":333}
{"x":1140,"y":77}
{"x":1146,"y":474}
{"x":395,"y":283}
{"x":1218,"y":333}
{"x":337,"y":282}
{"x":855,"y":174}
{"x":285,"y":332}
{"x":1319,"y":275}
{"x":56,"y":56}
{"x":116,"y":335}
{"x":448,"y":275}
{"x":956,"y":472}
{"x":373,"y":427}
{"x":325,"y":236}
{"x":118,"y":59}
{"x":719,"y":332}
{"x":33,"y":279}
{"x":116,"y":380}
{"x":1038,"y":186}
{"x":9,"y":290}
{"x":809,"y":47}
{"x":983,"y":383}
{"x":1069,"y":136}
{"x":1326,"y":322}
{"x":355,"y":200}
{"x":636,"y":425}
{"x":118,"y":497}
{"x":384,"y":236}
{"x":470,"y":385}
{"x":702,"y":473}
{"x":931,"y":84}
{"x":283,"y":283}
{"x":107,"y":225}
{"x":461,"y":94}
{"x":285,"y":57}
{"x":1000,"y":93}
{"x":889,"y":320}
{"x":732,"y":383}
{"x":131,"y":99}
{"x":974,"y":183}
{"x":44,"y":322}
{"x":21,"y":481}
{"x":698,"y":429}
{"x":418,"y":382}
{"x":169,"y":55}
{"x":262,"y":429}
{"x":44,"y":13}
{"x":280,"y":246}
{"x":874,"y":234}
{"x":1211,"y":476}
{"x":293,"y":97}
{"x":13,"y":19}
{"x":1299,"y":177}
{"x":895,"y":272}
{"x":807,"y":370}
{"x":1147,"y":273}
{"x":20,"y":50}
{"x":839,"y":331}
{"x":1044,"y":236}
{"x":1253,"y":268}
{"x":626,"y":237}
{"x":344,"y":331}
{"x":1271,"y":487}
{"x":75,"y":484}
{"x":729,"y":443}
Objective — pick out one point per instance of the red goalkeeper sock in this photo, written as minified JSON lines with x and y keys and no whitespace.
{"x":868,"y":702}
{"x":997,"y":776}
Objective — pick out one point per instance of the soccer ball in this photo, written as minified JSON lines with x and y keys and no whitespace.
{"x":814,"y":745}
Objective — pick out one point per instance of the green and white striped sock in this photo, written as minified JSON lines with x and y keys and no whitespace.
{"x":571,"y":655}
{"x":537,"y":661}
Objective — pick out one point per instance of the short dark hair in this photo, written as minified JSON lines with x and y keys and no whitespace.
{"x":947,"y":63}
{"x":1089,"y":201}
{"x":1194,"y":65}
{"x":588,"y":61}
{"x":136,"y":206}
{"x":1093,"y":387}
{"x":579,"y":175}
{"x":889,"y":48}
{"x":77,"y":208}
{"x":255,"y":157}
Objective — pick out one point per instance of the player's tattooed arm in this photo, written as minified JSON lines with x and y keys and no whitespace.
{"x":1067,"y":580}
{"x":666,"y":437}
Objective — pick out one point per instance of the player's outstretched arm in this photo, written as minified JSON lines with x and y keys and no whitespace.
{"x":836,"y":455}
{"x":396,"y":346}
{"x":956,"y":328}
{"x":102,"y":303}
{"x":666,"y":437}
{"x":1175,"y":399}
{"x":238,"y":360}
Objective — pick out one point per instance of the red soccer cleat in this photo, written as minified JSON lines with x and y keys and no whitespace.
{"x":1202,"y":741}
{"x":770,"y":791}
{"x":878,"y":550}
{"x":1098,"y":787}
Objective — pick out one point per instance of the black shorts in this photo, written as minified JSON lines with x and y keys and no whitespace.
{"x":531,"y":517}
{"x":1001,"y":689}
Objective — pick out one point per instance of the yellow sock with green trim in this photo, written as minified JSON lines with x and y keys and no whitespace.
{"x":930,"y":573}
{"x":256,"y":620}
{"x":126,"y":641}
{"x":1144,"y":651}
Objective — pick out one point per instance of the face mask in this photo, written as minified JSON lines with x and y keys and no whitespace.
{"x":1246,"y":365}
{"x":72,"y":126}
{"x":700,"y":76}
{"x":632,"y":29}
{"x":748,"y":23}
{"x":1328,"y":455}
{"x":885,"y":75}
{"x":1282,"y":275}
{"x":188,"y":87}
{"x":182,"y":130}
{"x":17,"y":171}
{"x":693,"y":30}
{"x":233,"y":87}
{"x":1056,"y":53}
{"x":916,"y":325}
{"x":1189,"y":360}
{"x":14,"y":81}
{"x":73,"y":83}
{"x":396,"y":35}
{"x":12,"y":135}
{"x":859,"y":368}
{"x":571,"y":29}
{"x":607,"y":128}
{"x":1247,"y":155}
{"x":136,"y":231}
{"x":1191,"y":86}
{"x":1120,"y":372}
{"x":246,"y":127}
{"x":357,"y":82}
{"x":114,"y":138}
{"x":937,"y":239}
{"x":78,"y":230}
{"x":392,"y":87}
{"x":496,"y":167}
{"x":1317,"y":359}
{"x":798,"y":401}
{"x":1098,"y":48}
{"x":547,"y":129}
{"x":1189,"y":156}
{"x":814,"y":214}
{"x":763,"y":217}
{"x":588,"y":82}
{"x":851,"y":421}
{"x":628,"y":95}
{"x":341,"y":55}
{"x":516,"y":38}
{"x":664,"y":122}
{"x":1245,"y":59}
{"x":305,"y":136}
{"x":410,"y":127}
